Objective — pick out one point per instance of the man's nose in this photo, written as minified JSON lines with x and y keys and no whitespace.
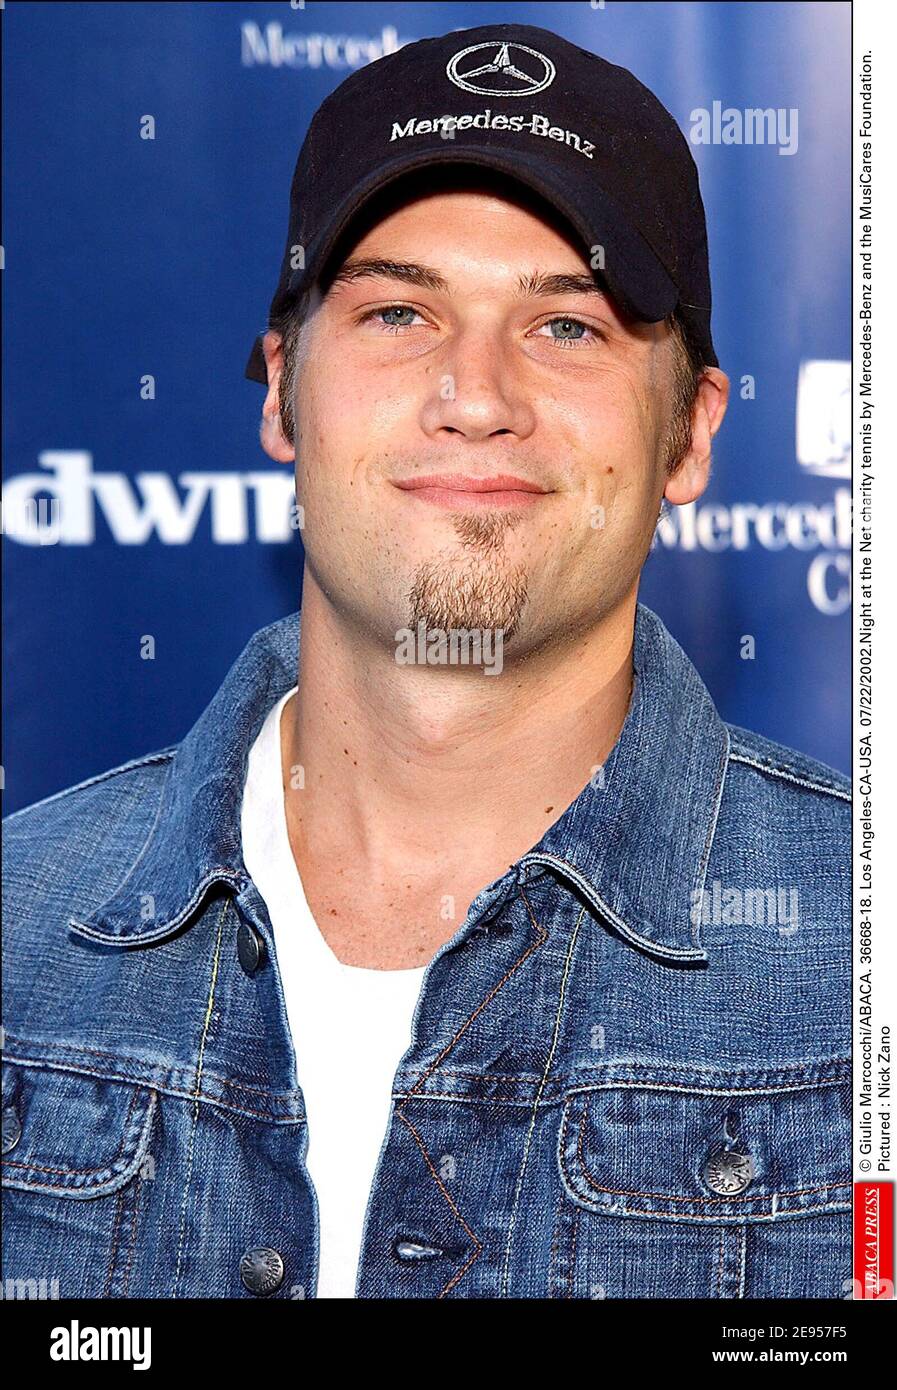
{"x":477,"y":391}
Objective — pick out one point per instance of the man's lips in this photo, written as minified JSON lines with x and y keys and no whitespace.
{"x":461,"y":491}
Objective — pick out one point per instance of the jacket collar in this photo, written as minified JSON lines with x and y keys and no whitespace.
{"x":195,"y":841}
{"x":635,"y":841}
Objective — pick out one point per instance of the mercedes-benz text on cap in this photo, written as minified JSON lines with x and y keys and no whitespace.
{"x":583,"y":133}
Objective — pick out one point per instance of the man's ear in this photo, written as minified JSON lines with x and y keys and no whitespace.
{"x":273,"y":440}
{"x":693,"y":473}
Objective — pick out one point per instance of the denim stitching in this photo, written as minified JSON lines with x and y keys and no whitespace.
{"x":574,"y":1231}
{"x":159,"y":1089}
{"x":693,"y":1201}
{"x":792,"y":777}
{"x":164,"y":755}
{"x":435,"y":1064}
{"x":138,"y":1197}
{"x":655,"y":948}
{"x":562,"y":1094}
{"x":109,"y":1168}
{"x":834,"y":1082}
{"x":82,"y":1172}
{"x":260,"y":1090}
{"x":164,"y":928}
{"x":447,"y":1195}
{"x":552,"y":1258}
{"x":798,"y":1069}
{"x":202,"y":1044}
{"x":115,"y":1230}
{"x":471,"y":1100}
{"x":535,"y":1106}
{"x":711,"y":833}
{"x":835,"y":1078}
{"x":827,"y":1072}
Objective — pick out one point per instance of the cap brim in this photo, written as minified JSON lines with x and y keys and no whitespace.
{"x":631,"y":268}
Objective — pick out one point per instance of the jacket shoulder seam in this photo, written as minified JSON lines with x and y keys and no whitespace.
{"x":163,"y":755}
{"x":788,"y":775}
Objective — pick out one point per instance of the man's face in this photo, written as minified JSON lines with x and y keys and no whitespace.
{"x":462,"y":347}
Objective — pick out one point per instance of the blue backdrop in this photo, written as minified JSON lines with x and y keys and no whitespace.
{"x":129,"y":258}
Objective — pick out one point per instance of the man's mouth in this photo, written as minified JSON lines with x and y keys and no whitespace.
{"x":462,"y":491}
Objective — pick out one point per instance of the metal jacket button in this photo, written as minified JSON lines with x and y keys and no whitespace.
{"x":728,"y":1172}
{"x":413,"y":1250}
{"x":250,"y":948}
{"x":12,"y":1130}
{"x":261,"y":1271}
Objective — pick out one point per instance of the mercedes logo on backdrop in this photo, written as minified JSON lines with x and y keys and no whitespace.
{"x":513,"y":70}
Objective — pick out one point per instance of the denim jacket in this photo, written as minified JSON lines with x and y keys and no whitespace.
{"x":629,"y":1069}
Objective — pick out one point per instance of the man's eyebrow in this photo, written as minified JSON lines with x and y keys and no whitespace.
{"x":411,"y":272}
{"x":569,"y":283}
{"x":425,"y":277}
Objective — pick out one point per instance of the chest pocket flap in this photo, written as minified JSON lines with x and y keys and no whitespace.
{"x":686,"y":1152}
{"x":72,"y":1135}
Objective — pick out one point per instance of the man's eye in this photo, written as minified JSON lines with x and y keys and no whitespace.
{"x":566,"y":331}
{"x":563,"y":330}
{"x":394,"y":316}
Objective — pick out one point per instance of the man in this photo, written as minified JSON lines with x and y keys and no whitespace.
{"x":460,"y":950}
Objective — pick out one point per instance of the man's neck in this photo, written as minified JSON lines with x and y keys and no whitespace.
{"x":426,"y":770}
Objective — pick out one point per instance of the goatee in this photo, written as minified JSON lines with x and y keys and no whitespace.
{"x":476,"y":589}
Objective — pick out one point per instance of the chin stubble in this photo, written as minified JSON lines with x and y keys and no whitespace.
{"x":476,"y":588}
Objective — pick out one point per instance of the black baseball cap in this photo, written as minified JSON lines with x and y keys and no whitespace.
{"x":582,"y":133}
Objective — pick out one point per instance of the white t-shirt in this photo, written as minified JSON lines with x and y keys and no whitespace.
{"x":350,"y":1026}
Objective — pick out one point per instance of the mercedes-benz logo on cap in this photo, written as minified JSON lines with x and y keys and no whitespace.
{"x":508,"y":70}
